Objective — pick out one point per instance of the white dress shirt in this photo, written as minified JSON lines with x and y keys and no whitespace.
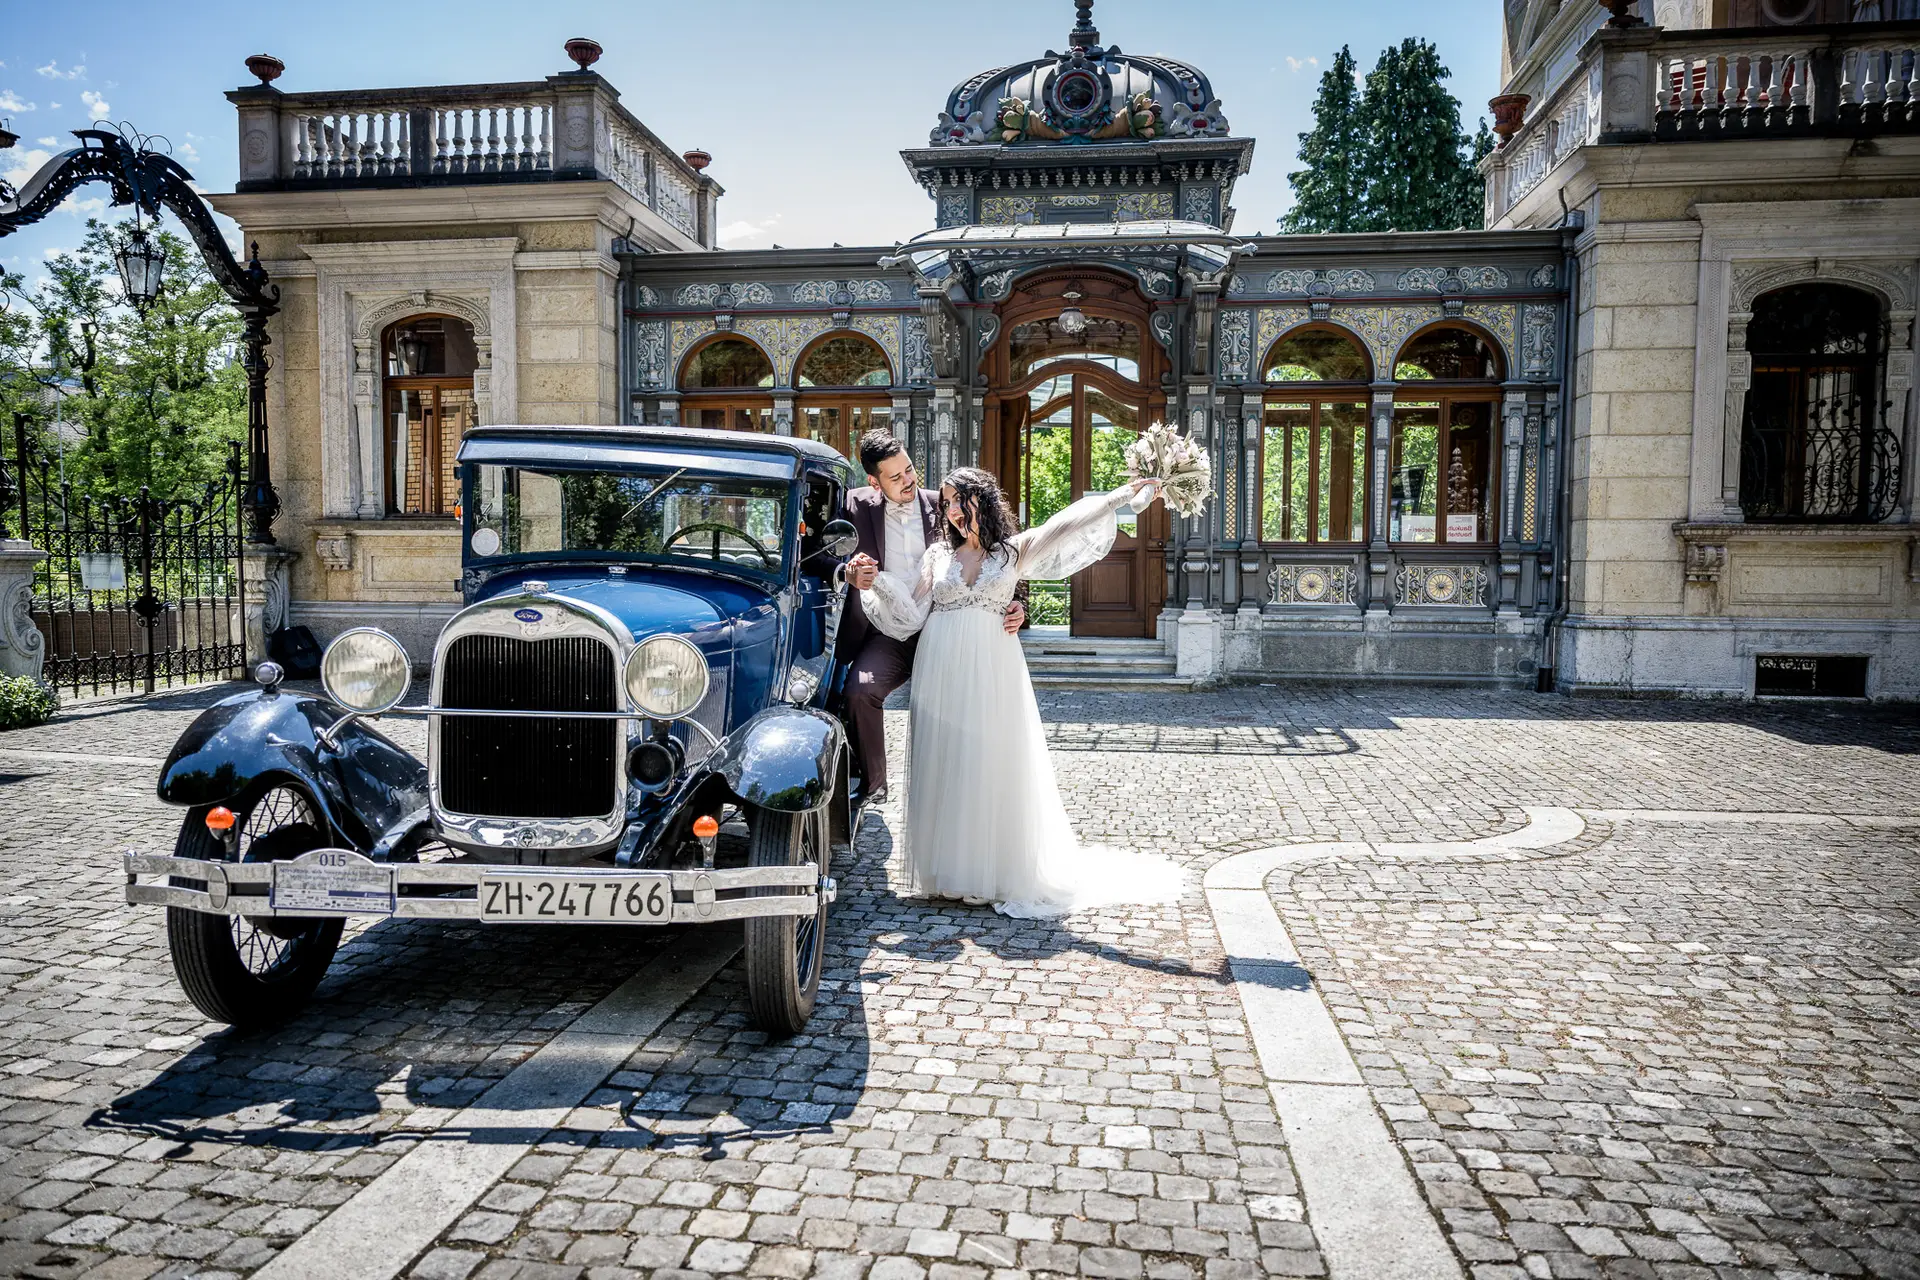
{"x":906,"y":542}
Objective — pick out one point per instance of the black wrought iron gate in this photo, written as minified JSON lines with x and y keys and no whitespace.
{"x":135,"y":592}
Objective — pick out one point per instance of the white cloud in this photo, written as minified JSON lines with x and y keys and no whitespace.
{"x":97,"y":108}
{"x":742,"y":231}
{"x":1296,"y":64}
{"x":185,"y":151}
{"x":24,"y":165}
{"x":48,"y":142}
{"x":11,"y":101}
{"x":52,"y":71}
{"x":83,"y":208}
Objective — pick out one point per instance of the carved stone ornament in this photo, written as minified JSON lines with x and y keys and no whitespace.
{"x":1314,"y":584}
{"x":1706,"y":561}
{"x":919,"y":361}
{"x":1236,"y":344}
{"x":1537,"y":340}
{"x":335,"y":553}
{"x":1452,"y":585}
{"x":650,"y":353}
{"x":23,"y":649}
{"x":1453,"y":279}
{"x":1162,"y":325}
{"x":749,"y":293}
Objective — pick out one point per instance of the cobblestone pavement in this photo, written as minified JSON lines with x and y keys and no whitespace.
{"x":1673,"y":1049}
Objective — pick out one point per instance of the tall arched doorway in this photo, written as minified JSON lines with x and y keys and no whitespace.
{"x":427,"y":365}
{"x":1075,"y":377}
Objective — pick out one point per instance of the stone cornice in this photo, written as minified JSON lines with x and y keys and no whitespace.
{"x":602,"y":202}
{"x":487,"y":253}
{"x":1736,"y":531}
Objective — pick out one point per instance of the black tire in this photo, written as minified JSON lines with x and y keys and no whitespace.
{"x":252,"y":971}
{"x":785,"y":953}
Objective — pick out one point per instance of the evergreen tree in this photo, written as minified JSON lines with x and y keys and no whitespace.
{"x":1329,"y":192}
{"x":1413,"y":158}
{"x":1470,"y":196}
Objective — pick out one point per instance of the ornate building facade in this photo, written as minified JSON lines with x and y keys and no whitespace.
{"x":1402,"y":425}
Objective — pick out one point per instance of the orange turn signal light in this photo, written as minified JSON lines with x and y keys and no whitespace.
{"x":219,"y":818}
{"x":705,"y":828}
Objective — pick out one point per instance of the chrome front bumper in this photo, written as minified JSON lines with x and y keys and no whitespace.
{"x":247,"y":889}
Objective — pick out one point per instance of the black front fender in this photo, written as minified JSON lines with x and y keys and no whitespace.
{"x":785,"y":758}
{"x":363,"y":783}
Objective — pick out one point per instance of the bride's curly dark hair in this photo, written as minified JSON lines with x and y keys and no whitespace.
{"x":981,"y":499}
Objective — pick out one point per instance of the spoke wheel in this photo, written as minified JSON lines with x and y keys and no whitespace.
{"x":252,"y":970}
{"x":785,"y":953}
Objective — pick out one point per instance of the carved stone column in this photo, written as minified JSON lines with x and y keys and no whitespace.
{"x":23,"y":650}
{"x":783,"y":415}
{"x":1249,"y":498}
{"x":1900,"y":423}
{"x":265,"y":602}
{"x":366,"y":438}
{"x":1379,"y":554}
{"x":1739,"y":378}
{"x":1513,"y":416}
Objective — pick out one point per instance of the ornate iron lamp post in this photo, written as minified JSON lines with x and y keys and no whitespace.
{"x":147,"y":179}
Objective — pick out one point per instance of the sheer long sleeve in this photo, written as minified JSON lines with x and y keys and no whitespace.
{"x":893,"y":609}
{"x":1075,"y":538}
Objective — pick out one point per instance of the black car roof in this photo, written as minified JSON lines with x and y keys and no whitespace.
{"x":749,"y":451}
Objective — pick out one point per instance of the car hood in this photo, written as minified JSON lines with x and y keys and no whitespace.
{"x":649,"y":601}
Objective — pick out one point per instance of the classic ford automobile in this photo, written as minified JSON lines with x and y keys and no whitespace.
{"x":634,"y":720}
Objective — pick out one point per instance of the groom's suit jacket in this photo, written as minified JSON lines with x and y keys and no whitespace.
{"x":867,"y":510}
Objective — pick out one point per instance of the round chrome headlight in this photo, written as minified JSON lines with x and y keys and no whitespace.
{"x":666,"y":677}
{"x":366,"y":670}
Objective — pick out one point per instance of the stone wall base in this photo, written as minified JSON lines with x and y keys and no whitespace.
{"x":1713,"y":657}
{"x":416,"y":626}
{"x":1441,"y":646}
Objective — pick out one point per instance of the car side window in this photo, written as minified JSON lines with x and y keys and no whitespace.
{"x":820,"y":506}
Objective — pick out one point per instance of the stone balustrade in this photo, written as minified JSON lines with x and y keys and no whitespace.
{"x":1650,"y":85}
{"x":567,"y":127}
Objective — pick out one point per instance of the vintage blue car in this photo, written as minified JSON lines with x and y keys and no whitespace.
{"x":634,"y":720}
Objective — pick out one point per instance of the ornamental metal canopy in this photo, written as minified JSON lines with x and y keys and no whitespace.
{"x":931,"y":253}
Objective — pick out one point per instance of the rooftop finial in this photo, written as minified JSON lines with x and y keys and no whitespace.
{"x":1085,"y":34}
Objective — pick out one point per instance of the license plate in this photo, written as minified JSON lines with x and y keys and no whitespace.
{"x":554,"y":899}
{"x":332,"y":882}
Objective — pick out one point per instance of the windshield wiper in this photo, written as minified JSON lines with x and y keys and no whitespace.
{"x":649,"y":495}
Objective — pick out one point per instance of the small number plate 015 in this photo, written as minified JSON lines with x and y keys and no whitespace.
{"x":560,"y":899}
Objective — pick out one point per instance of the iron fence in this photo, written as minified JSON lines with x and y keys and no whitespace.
{"x":135,"y":592}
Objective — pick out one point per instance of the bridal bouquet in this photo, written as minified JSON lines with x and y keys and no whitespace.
{"x":1179,"y":465}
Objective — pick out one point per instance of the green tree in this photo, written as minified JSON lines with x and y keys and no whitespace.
{"x":1329,"y":190}
{"x":1391,"y":156}
{"x":1415,"y":149}
{"x":159,"y":396}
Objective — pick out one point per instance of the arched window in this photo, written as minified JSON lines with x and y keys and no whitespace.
{"x":1442,"y":478}
{"x":1318,"y":355}
{"x":846,"y":361}
{"x":1096,"y":339}
{"x":1448,"y":354}
{"x":843,"y":381}
{"x":727,"y":364}
{"x":428,"y":363}
{"x":1313,"y":442}
{"x":1814,"y":445}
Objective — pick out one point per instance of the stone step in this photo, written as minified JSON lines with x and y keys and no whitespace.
{"x":1099,"y":663}
{"x":1114,"y":683}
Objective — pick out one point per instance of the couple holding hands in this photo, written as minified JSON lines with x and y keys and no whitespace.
{"x":933,"y":597}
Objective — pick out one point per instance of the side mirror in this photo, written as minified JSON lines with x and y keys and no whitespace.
{"x":839,"y":539}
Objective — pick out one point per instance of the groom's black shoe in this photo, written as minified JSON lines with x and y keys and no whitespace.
{"x":875,"y":797}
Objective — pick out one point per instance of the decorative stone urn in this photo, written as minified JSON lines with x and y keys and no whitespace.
{"x":583,"y":51}
{"x":1621,"y":16}
{"x":266,"y":66}
{"x":696,"y":160}
{"x":1509,"y":111}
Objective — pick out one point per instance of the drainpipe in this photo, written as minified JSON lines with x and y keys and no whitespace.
{"x":1570,"y":226}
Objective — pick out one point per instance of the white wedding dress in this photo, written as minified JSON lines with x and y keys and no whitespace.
{"x":983,"y":813}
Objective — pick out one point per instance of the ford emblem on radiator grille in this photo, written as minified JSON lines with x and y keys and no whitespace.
{"x":528,"y":615}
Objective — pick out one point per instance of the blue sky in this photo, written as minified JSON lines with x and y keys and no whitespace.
{"x":803,"y":103}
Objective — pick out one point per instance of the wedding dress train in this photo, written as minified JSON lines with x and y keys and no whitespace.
{"x":983,"y":811}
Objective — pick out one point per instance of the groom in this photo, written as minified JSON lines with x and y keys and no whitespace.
{"x":896,"y":520}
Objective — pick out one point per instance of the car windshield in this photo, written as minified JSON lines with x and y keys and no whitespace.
{"x":522,"y":511}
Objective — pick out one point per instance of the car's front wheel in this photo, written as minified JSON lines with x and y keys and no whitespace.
{"x":785,"y":953}
{"x":252,"y":970}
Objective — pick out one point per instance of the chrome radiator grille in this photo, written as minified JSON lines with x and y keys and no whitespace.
{"x":510,"y":767}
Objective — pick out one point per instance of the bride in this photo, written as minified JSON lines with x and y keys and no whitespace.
{"x":984,"y":822}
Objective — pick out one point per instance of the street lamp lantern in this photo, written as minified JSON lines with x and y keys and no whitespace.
{"x":1073,"y":321}
{"x":142,"y":261}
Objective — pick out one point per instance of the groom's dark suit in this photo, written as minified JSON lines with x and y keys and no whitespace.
{"x":880,"y":664}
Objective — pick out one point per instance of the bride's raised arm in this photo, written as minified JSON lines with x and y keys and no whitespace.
{"x":889,"y":607}
{"x":1077,"y":537}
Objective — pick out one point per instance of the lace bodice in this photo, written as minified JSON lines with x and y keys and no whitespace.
{"x":992,"y":587}
{"x":1074,"y":539}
